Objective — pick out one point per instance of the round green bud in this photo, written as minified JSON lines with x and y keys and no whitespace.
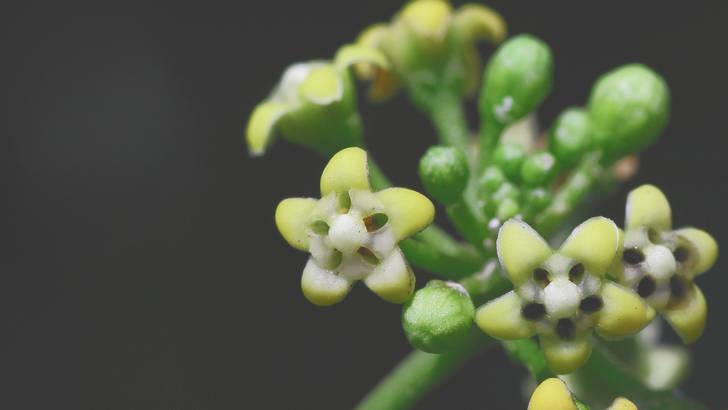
{"x":438,"y":317}
{"x":444,"y":172}
{"x":628,"y":106}
{"x":506,"y":191}
{"x":509,"y":157}
{"x":492,"y":179}
{"x":507,"y":209}
{"x":570,"y":136}
{"x":538,"y":169}
{"x":516,"y":80}
{"x":537,"y":199}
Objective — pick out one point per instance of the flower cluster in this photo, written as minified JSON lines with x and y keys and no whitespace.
{"x":352,"y":232}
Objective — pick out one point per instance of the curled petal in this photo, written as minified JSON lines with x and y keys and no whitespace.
{"x":351,"y":54}
{"x":520,"y":250}
{"x":551,"y":394}
{"x":478,"y":22}
{"x":428,"y":18}
{"x":594,"y":242}
{"x":292,"y":218}
{"x":623,"y":312}
{"x":688,"y":320}
{"x":705,"y":246}
{"x":321,"y":286}
{"x":502,"y":318}
{"x":620,"y":403}
{"x":371,"y":37}
{"x":392,"y":280}
{"x":322,"y":86}
{"x":347,"y":169}
{"x":647,"y":206}
{"x":565,"y":356}
{"x":261,"y":125}
{"x":409,"y":211}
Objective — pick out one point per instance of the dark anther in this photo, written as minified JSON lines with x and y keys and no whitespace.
{"x":576,"y":273}
{"x":646,"y":286}
{"x":368,"y":255}
{"x":677,"y":287}
{"x":533,"y":311}
{"x":591,"y":304}
{"x":681,"y":254}
{"x":565,"y":328}
{"x":541,"y":276}
{"x":633,"y":256}
{"x":374,"y":222}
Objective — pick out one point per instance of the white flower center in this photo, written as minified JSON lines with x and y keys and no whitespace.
{"x":561,"y":298}
{"x":660,"y":262}
{"x":347,"y":233}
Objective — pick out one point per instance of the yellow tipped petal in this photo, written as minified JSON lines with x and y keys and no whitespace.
{"x":392,"y":280}
{"x":347,"y":169}
{"x":261,"y":125}
{"x":292,"y":218}
{"x":502,"y":318}
{"x":620,"y":403}
{"x":321,"y":286}
{"x":593,"y":243}
{"x":647,"y":206}
{"x":322,"y":85}
{"x":551,"y":394}
{"x":357,"y":54}
{"x":371,"y":37}
{"x":520,"y":250}
{"x":409,"y":211}
{"x":565,"y":356}
{"x":480,"y":22}
{"x":428,"y":18}
{"x":704,"y":244}
{"x":623,"y":312}
{"x":689,"y":320}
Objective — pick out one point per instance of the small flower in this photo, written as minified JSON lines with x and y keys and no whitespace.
{"x":313,"y":105}
{"x":552,"y":394}
{"x":429,"y":43}
{"x":352,"y":232}
{"x":661,"y":263}
{"x":561,"y":295}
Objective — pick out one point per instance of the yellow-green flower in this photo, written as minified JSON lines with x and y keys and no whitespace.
{"x":562,"y":295}
{"x":661,"y":263}
{"x":314,"y":104}
{"x":552,"y":394}
{"x":352,"y":232}
{"x":431,"y":44}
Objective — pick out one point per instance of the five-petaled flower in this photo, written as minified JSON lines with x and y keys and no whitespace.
{"x":352,"y":232}
{"x":561,"y":295}
{"x":552,"y":394}
{"x":661,"y":263}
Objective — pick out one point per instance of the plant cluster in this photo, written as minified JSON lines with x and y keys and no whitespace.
{"x":592,"y":302}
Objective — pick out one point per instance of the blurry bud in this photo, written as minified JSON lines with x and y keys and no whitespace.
{"x":507,"y":209}
{"x":444,"y":173}
{"x":438,"y":317}
{"x":570,"y":136}
{"x":538,"y":169}
{"x":536,"y":200}
{"x":509,"y":158}
{"x":492,"y":179}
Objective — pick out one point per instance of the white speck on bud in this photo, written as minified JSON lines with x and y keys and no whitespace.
{"x":561,"y":298}
{"x":347,"y":233}
{"x":494,"y":224}
{"x":501,"y":110}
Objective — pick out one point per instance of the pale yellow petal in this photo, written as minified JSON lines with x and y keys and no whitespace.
{"x":355,"y":53}
{"x":647,"y":206}
{"x":261,"y":125}
{"x":623,"y":312}
{"x":565,"y":356}
{"x":594,"y":243}
{"x":292,"y":218}
{"x":321,"y":286}
{"x":393,"y":279}
{"x":620,"y":403}
{"x":347,"y":169}
{"x":689,"y":320}
{"x":322,"y":86}
{"x":478,"y":22}
{"x":409,"y":211}
{"x":551,"y":394}
{"x":501,"y":318}
{"x":427,"y":18}
{"x":520,"y":250}
{"x":704,"y":244}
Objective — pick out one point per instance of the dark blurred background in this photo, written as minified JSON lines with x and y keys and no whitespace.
{"x":142,"y":268}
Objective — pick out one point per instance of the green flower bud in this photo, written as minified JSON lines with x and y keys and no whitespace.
{"x":517,"y":79}
{"x":507,"y":209}
{"x":444,"y":173}
{"x":629,"y":106}
{"x":492,"y":179}
{"x":438,"y":317}
{"x":538,"y":169}
{"x":509,"y":157}
{"x":536,"y":200}
{"x":570,"y":136}
{"x":506,"y":191}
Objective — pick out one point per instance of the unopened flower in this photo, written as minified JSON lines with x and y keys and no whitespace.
{"x":661,"y":263}
{"x":562,"y":295}
{"x":314,"y":104}
{"x":352,"y":232}
{"x":552,"y":394}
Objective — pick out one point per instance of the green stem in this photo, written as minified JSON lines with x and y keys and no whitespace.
{"x":448,"y":117}
{"x":490,"y":133}
{"x":376,"y":176}
{"x":527,"y":352}
{"x":468,"y":222}
{"x":419,"y":373}
{"x":447,"y":258}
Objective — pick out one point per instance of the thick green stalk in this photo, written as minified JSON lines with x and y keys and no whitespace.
{"x":419,"y":373}
{"x":448,"y":117}
{"x":448,"y":258}
{"x":468,"y":222}
{"x":490,"y":133}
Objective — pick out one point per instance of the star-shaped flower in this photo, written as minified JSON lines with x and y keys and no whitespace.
{"x":561,"y":295}
{"x":552,"y":394}
{"x":661,"y":263}
{"x":352,"y":232}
